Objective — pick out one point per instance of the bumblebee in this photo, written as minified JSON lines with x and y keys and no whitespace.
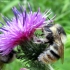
{"x":55,"y":36}
{"x":7,"y":58}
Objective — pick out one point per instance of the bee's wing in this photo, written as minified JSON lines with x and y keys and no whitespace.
{"x":60,"y":48}
{"x":61,"y":52}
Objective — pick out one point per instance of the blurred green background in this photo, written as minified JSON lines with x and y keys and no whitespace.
{"x":59,"y":7}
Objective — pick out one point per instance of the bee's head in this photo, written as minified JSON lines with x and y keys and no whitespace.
{"x":61,"y":33}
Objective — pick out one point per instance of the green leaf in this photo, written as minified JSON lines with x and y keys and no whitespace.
{"x":10,"y":5}
{"x":66,"y":64}
{"x":66,"y":4}
{"x":62,"y":15}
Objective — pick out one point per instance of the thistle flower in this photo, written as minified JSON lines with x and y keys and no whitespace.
{"x":20,"y":28}
{"x":23,"y":69}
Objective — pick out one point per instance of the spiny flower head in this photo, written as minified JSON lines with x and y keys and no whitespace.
{"x":24,"y":69}
{"x":20,"y":28}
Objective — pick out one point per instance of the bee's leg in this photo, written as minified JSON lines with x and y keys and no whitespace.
{"x":39,"y":40}
{"x":36,"y":40}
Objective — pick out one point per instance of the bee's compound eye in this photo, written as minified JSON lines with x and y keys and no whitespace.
{"x":47,"y":29}
{"x":49,"y":25}
{"x":60,"y":29}
{"x":50,"y":37}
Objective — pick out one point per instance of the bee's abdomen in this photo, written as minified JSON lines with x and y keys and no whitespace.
{"x":49,"y":56}
{"x":54,"y":54}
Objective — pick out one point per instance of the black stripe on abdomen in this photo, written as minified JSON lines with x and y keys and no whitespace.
{"x":54,"y":54}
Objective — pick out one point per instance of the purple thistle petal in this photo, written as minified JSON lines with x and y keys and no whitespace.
{"x":21,"y":8}
{"x":1,"y":23}
{"x":15,"y":13}
{"x":24,"y":69}
{"x":23,"y":14}
{"x":6,"y":20}
{"x":3,"y":29}
{"x":30,"y":8}
{"x":24,"y":18}
{"x":38,"y":11}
